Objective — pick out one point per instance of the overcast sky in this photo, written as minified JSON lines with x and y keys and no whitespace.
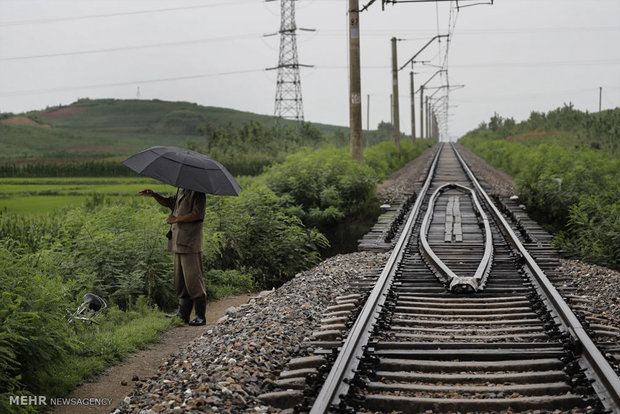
{"x":512,"y":57}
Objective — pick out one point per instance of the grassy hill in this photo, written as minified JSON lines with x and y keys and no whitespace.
{"x":109,"y":128}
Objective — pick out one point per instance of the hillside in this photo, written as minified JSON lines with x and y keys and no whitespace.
{"x":109,"y":128}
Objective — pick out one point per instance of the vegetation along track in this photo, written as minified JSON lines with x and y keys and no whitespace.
{"x":461,"y":319}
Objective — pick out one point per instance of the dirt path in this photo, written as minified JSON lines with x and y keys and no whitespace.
{"x":144,"y":363}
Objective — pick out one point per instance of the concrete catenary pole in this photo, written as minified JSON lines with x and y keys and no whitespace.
{"x":395,"y":109}
{"x":426,"y":118}
{"x":412,"y":107}
{"x":355,"y":89}
{"x":422,"y":113}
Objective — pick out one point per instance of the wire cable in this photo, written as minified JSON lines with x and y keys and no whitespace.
{"x":137,"y":47}
{"x":127,"y":83}
{"x":118,"y":14}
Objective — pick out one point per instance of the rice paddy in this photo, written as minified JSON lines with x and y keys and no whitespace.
{"x":44,"y":195}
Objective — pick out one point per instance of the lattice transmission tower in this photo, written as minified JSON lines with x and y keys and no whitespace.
{"x":289,"y":104}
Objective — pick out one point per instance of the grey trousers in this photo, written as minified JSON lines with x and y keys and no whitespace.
{"x":188,"y":278}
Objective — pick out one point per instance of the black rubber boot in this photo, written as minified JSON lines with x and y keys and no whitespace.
{"x":185,"y":309}
{"x":200,"y":309}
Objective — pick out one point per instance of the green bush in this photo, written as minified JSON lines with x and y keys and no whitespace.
{"x":221,"y":283}
{"x":119,"y":253}
{"x":32,"y":233}
{"x":327,"y":185}
{"x":384,"y":158}
{"x":572,"y":190}
{"x":33,"y":331}
{"x":593,"y":231}
{"x":259,"y":234}
{"x":40,"y":352}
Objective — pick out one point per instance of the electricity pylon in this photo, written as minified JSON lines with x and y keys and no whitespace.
{"x":289,"y":103}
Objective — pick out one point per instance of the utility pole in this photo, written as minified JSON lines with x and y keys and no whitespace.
{"x":422,"y":113}
{"x":427,"y":118}
{"x":412,"y":107}
{"x":395,"y":109}
{"x":422,"y":119}
{"x":355,"y":88}
{"x":392,"y":111}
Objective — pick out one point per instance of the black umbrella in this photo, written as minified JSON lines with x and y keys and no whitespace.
{"x":185,"y":169}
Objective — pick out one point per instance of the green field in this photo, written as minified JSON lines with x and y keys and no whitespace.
{"x":44,"y":195}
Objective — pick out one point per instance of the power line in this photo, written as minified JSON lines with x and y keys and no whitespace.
{"x":499,"y":64}
{"x":523,"y":30}
{"x":243,"y":37}
{"x":118,"y":14}
{"x":538,"y":64}
{"x":483,"y":99}
{"x":128,"y":83}
{"x":137,"y":47}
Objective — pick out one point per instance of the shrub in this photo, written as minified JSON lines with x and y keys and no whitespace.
{"x":119,"y":254}
{"x":33,"y":331}
{"x":384,"y":158}
{"x":258,"y":232}
{"x":221,"y":283}
{"x":593,"y":231}
{"x":327,"y":185}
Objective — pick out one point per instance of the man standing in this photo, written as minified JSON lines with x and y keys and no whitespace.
{"x":185,"y":240}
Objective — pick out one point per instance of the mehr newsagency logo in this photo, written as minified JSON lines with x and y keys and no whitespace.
{"x":41,"y":400}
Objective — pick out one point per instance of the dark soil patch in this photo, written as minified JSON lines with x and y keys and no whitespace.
{"x":62,"y":113}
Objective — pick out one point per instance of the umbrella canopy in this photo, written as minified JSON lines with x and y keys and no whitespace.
{"x":185,"y":169}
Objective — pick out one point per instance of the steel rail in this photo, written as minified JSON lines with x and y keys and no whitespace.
{"x":606,"y":382}
{"x":453,"y":281}
{"x":336,"y":384}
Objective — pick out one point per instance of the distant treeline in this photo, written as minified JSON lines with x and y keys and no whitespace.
{"x":66,"y":169}
{"x":564,"y":126}
{"x":238,"y":167}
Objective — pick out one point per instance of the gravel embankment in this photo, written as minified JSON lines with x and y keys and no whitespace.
{"x":226,"y":368}
{"x":407,"y":179}
{"x":599,"y":284}
{"x":230,"y":365}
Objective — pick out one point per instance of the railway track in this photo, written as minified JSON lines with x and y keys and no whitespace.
{"x":461,"y":319}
